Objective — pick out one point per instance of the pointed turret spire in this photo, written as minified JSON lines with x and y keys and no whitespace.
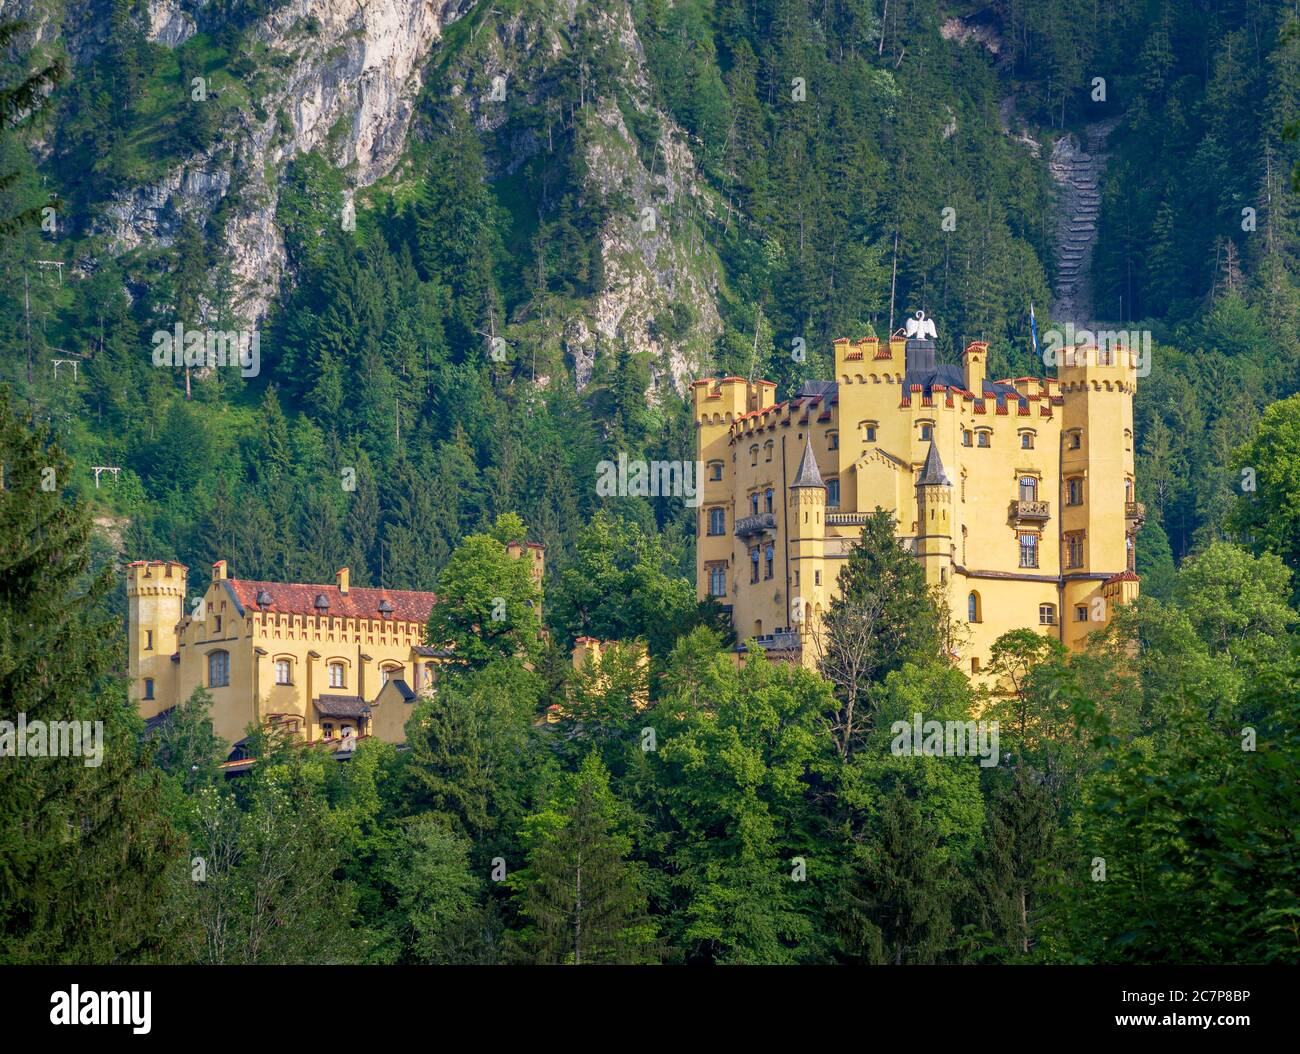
{"x":808,"y":474}
{"x":932,"y":473}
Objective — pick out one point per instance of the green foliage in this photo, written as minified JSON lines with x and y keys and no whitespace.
{"x":583,"y":901}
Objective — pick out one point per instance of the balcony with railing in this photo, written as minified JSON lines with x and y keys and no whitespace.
{"x":847,"y":519}
{"x":1030,"y":511}
{"x":757,"y":524}
{"x":1135,"y":511}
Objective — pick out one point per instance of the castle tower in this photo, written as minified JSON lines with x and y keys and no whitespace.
{"x":977,"y":355}
{"x":809,"y":590}
{"x":934,"y":519}
{"x":1099,"y":516}
{"x":155,"y":597}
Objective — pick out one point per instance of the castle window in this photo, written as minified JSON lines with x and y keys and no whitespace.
{"x":1074,"y":549}
{"x":389,"y":673}
{"x":767,"y":562}
{"x":927,"y":431}
{"x":1047,"y":614}
{"x":1074,"y":491}
{"x":983,"y":439}
{"x":1028,"y":488}
{"x":974,"y":664}
{"x":1128,"y":489}
{"x":1080,"y":613}
{"x":717,"y":521}
{"x":148,"y":687}
{"x":338,"y":678}
{"x":832,"y":440}
{"x":973,"y":608}
{"x":767,"y":450}
{"x":833,"y":493}
{"x":753,"y":503}
{"x":869,"y":432}
{"x":817,"y":578}
{"x":753,"y":454}
{"x":327,"y":730}
{"x":715,"y":470}
{"x":967,"y":437}
{"x":218,"y":669}
{"x":1026,"y":440}
{"x":148,"y":640}
{"x":1076,"y":440}
{"x":1029,"y":550}
{"x":753,"y":564}
{"x":717,"y":581}
{"x":216,"y":626}
{"x":767,"y":499}
{"x":1128,"y":439}
{"x":283,"y":671}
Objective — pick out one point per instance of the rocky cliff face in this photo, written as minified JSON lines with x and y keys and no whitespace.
{"x":341,"y":78}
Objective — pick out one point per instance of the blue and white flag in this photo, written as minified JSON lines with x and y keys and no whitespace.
{"x":1033,"y":328}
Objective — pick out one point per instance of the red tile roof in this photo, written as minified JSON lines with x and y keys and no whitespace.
{"x":299,"y":598}
{"x":1123,"y":576}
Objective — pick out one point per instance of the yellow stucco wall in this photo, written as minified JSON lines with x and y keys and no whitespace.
{"x":873,"y":439}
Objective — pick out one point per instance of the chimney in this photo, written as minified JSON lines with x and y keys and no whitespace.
{"x":219,"y":571}
{"x":976,"y":365}
{"x":342,"y":576}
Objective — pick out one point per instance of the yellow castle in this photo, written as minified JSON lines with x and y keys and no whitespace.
{"x":1016,"y":495}
{"x":331,"y":663}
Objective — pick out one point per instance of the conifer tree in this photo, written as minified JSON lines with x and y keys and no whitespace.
{"x":582,"y":898}
{"x":84,"y":848}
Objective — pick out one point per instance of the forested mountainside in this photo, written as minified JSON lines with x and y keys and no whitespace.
{"x":627,"y":195}
{"x":472,"y":248}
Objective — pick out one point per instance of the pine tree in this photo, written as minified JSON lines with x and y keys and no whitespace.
{"x":582,"y":898}
{"x":895,"y":907}
{"x":84,"y":847}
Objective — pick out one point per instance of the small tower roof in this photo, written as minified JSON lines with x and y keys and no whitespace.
{"x":808,"y":474}
{"x":932,"y":473}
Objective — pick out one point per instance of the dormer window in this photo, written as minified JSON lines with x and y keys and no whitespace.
{"x":385,"y":609}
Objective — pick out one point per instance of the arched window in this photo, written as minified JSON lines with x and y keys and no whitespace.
{"x":284,"y":671}
{"x":1028,"y":488}
{"x":389,"y":673}
{"x":767,"y":450}
{"x":973,"y":607}
{"x":753,"y":503}
{"x":832,"y":493}
{"x":218,"y":669}
{"x":753,"y":454}
{"x":767,"y":499}
{"x":338,"y":675}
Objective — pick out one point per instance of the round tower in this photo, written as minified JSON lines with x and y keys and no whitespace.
{"x":807,"y":520}
{"x":934,"y":518}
